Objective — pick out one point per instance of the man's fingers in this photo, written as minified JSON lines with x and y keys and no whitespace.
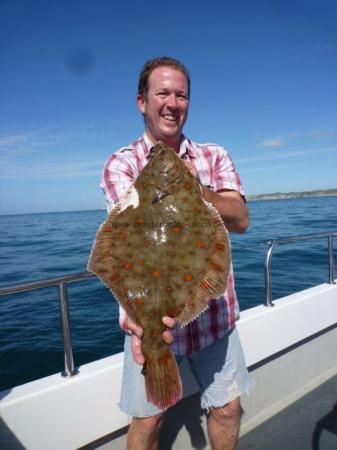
{"x":169,"y":322}
{"x":136,"y":341}
{"x":137,"y":350}
{"x":135,"y":329}
{"x":167,"y":334}
{"x":137,"y":335}
{"x":167,"y":337}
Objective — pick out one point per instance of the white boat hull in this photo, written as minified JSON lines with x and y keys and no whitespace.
{"x":290,"y":349}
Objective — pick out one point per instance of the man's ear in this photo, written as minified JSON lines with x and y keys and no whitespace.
{"x":141,"y":102}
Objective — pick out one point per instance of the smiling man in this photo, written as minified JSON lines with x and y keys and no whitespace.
{"x":210,"y":342}
{"x":164,"y":104}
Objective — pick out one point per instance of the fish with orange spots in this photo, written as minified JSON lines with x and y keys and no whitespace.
{"x":159,"y":259}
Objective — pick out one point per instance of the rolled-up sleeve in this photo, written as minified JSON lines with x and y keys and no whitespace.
{"x":225,"y":175}
{"x":118,"y":175}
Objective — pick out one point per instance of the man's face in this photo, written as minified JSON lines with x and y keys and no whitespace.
{"x":165,"y":105}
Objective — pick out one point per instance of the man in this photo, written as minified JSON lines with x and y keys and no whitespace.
{"x":211,"y":341}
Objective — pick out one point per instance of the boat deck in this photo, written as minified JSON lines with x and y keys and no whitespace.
{"x":308,"y":424}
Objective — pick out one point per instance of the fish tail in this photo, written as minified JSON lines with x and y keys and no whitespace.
{"x":162,"y":378}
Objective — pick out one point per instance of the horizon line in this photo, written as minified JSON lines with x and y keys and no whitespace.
{"x":248,"y":197}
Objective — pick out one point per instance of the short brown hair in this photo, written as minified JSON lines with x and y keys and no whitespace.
{"x":152,"y":64}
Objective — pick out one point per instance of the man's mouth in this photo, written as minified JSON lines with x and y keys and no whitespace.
{"x":169,"y":117}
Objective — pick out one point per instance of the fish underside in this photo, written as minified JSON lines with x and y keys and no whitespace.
{"x":163,"y":251}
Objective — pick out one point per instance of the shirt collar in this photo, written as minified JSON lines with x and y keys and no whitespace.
{"x":186,"y":147}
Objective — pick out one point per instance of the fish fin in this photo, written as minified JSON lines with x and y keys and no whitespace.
{"x":101,"y":252}
{"x":131,"y":198}
{"x":214,"y":281}
{"x":104,"y":236}
{"x":162,"y":378}
{"x":193,"y":308}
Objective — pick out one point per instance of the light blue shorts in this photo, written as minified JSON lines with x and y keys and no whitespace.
{"x":219,"y":369}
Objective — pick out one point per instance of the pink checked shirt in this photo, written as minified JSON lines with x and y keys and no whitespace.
{"x":215,"y":169}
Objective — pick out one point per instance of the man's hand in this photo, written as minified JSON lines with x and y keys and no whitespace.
{"x":137,"y":335}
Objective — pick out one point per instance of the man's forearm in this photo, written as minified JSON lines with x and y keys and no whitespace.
{"x":232,"y":209}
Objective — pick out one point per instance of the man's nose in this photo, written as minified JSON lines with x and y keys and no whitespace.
{"x":172,"y":101}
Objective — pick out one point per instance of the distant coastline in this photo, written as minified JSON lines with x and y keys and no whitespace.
{"x":251,"y":198}
{"x":287,"y":195}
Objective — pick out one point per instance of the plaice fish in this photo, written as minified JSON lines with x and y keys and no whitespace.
{"x":163,"y":251}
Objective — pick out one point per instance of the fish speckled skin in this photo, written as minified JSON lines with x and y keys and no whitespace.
{"x":163,"y":251}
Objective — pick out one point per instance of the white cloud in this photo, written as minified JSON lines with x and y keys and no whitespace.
{"x":32,"y":139}
{"x":51,"y":152}
{"x":278,"y":167}
{"x":50,"y":138}
{"x":13,"y":140}
{"x":272,"y":142}
{"x":292,"y":154}
{"x":57,"y":169}
{"x":323,"y":134}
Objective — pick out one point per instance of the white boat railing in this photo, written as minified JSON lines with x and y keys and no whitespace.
{"x":305,"y":237}
{"x":61,"y":283}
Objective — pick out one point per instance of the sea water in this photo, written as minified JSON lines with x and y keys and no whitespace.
{"x":40,"y":246}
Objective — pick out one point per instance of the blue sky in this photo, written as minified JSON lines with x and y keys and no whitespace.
{"x":264,"y":85}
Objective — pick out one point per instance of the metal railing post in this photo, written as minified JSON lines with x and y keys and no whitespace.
{"x":69,"y":369}
{"x":331,"y":260}
{"x":60,"y":283}
{"x":268,"y":285}
{"x":267,"y":277}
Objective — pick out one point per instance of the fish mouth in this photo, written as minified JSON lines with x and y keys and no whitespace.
{"x":159,"y":196}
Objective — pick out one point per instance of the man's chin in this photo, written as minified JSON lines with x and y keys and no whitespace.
{"x":169,"y":135}
{"x":171,"y":140}
{"x":172,"y":132}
